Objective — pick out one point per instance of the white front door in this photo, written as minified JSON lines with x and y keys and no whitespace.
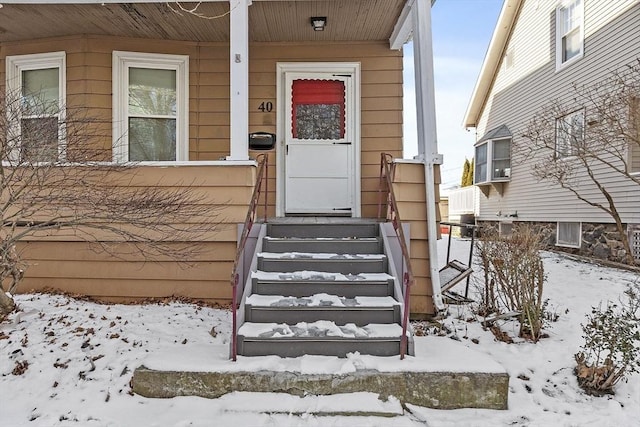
{"x":320,"y":157}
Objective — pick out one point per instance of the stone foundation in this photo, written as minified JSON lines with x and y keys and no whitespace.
{"x":599,"y":241}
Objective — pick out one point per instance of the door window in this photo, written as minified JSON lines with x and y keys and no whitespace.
{"x":318,"y":109}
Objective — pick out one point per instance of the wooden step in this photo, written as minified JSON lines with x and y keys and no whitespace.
{"x":307,"y":283}
{"x":331,"y":263}
{"x":318,"y":338}
{"x":324,"y":230}
{"x":360,"y":311}
{"x":361,"y":245}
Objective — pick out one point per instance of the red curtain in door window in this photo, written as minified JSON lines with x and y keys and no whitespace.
{"x":318,"y":92}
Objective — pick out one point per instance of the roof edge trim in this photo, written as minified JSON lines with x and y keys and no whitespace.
{"x":491,"y":61}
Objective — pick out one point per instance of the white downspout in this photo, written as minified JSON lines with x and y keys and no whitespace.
{"x":427,"y":136}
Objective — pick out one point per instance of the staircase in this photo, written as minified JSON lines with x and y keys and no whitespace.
{"x":323,"y":289}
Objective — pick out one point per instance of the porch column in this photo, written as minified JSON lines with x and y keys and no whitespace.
{"x":427,"y":135}
{"x":239,"y":79}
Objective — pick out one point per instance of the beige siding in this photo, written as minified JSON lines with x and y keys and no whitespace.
{"x":381,"y":103}
{"x":62,"y":261}
{"x":612,"y":39}
{"x":89,"y":85}
{"x":409,"y":191}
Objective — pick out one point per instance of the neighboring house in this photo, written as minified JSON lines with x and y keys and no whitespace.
{"x":539,"y":50}
{"x":259,"y":66}
{"x":463,"y":204}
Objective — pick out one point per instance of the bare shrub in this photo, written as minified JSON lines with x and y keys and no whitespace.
{"x":611,"y":345}
{"x":57,"y":179}
{"x":514,"y":277}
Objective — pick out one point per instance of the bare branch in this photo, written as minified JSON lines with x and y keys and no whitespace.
{"x":57,"y":179}
{"x":603,"y":141}
{"x":178,"y":8}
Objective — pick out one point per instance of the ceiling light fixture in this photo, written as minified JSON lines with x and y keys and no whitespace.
{"x":318,"y":23}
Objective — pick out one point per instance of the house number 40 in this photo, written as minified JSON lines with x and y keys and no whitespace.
{"x":266,"y":106}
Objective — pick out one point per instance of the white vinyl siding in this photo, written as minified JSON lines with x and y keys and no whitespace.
{"x":569,"y":234}
{"x":569,"y":33}
{"x":35,"y":107}
{"x":611,"y":41}
{"x":150,"y":107}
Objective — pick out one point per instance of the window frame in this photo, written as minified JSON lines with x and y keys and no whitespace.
{"x":489,"y":178}
{"x":15,"y":65}
{"x":571,"y":147}
{"x":569,"y":244}
{"x":561,"y":32}
{"x":122,"y":61}
{"x":634,"y":146}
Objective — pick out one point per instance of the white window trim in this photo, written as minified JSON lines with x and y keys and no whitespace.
{"x":489,"y":177}
{"x":560,"y":34}
{"x":121,"y":63}
{"x":634,"y":119}
{"x":15,"y":65}
{"x":569,"y":245}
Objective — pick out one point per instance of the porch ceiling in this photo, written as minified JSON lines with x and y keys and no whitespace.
{"x":269,"y":21}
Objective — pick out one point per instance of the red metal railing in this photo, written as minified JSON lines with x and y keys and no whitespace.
{"x":262,"y":178}
{"x":387,"y":197}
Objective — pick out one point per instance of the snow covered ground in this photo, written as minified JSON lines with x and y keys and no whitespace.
{"x":69,"y":362}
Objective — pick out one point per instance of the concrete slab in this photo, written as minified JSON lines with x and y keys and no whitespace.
{"x":446,"y":375}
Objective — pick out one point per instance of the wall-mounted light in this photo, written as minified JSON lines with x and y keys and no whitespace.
{"x":318,"y":23}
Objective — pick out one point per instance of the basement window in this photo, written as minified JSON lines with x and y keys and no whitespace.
{"x":569,"y":234}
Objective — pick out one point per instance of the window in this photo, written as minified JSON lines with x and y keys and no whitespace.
{"x":569,"y":234}
{"x":35,"y":107}
{"x":151,"y":95}
{"x":634,"y":144}
{"x":318,"y":110}
{"x":569,"y":134}
{"x":569,"y":33}
{"x":505,"y":228}
{"x":493,"y":161}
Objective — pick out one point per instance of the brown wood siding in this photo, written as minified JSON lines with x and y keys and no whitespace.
{"x":61,"y":261}
{"x":89,"y":85}
{"x":381,"y":100}
{"x":410,"y":194}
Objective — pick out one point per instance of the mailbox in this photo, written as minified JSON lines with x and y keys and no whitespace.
{"x":262,"y":141}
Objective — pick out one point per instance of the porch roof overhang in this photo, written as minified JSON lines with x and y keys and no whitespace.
{"x":269,"y":20}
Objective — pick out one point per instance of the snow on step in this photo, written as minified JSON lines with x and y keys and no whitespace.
{"x":307,"y":255}
{"x":320,"y":276}
{"x":310,"y":239}
{"x":321,"y":328}
{"x":319,"y":300}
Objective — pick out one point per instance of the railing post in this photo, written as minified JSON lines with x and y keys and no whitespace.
{"x":234,"y":319}
{"x":394,"y":216}
{"x":246,"y":230}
